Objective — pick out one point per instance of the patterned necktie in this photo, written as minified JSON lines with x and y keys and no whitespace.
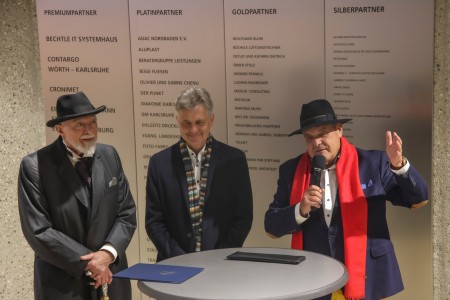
{"x":83,"y":167}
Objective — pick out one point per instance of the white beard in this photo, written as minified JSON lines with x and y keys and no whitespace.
{"x":88,"y":151}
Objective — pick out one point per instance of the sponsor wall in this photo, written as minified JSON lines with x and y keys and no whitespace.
{"x":260,"y":60}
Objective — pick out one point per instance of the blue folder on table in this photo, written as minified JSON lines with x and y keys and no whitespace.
{"x":158,"y":273}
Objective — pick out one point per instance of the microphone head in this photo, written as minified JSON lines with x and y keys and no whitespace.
{"x":318,"y":162}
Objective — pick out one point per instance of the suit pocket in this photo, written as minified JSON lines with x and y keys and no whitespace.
{"x":210,"y":234}
{"x":372,"y":190}
{"x":111,"y":189}
{"x":381,"y":248}
{"x":111,"y":196}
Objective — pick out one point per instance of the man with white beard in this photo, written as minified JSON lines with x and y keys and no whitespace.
{"x":76,"y":209}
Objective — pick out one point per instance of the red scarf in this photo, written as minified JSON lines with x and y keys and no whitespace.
{"x":353,"y":210}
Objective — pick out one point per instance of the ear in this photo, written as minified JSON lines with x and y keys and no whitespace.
{"x":212,"y":118}
{"x":58,"y":129}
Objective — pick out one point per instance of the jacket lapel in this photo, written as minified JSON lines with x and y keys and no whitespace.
{"x":69,"y":175}
{"x":98,"y":185}
{"x":215,"y":155}
{"x":180,"y":172}
{"x":102,"y":174}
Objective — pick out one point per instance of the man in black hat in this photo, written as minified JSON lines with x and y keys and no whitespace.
{"x":76,"y":209}
{"x":342,"y":212}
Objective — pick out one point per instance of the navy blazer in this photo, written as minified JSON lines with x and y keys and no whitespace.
{"x":228,"y":210}
{"x":61,"y":222}
{"x":379,"y":184}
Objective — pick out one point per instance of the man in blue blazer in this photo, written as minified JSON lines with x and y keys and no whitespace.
{"x":199,"y":193}
{"x":79,"y":223}
{"x":342,"y":212}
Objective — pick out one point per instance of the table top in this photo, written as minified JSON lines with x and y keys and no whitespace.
{"x":224,"y":279}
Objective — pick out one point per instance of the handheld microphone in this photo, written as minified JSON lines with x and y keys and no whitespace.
{"x":318,"y":164}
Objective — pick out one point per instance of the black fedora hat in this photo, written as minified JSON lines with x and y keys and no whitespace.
{"x":73,"y":106}
{"x":315,"y":113}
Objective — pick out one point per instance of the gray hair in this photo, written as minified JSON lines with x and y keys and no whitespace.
{"x":193,"y":96}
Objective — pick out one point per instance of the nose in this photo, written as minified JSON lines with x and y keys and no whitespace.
{"x":317,"y":142}
{"x":89,"y":128}
{"x":193,"y":128}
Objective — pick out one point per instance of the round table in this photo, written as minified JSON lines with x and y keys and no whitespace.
{"x":224,"y":279}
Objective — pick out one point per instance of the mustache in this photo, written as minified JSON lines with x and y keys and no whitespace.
{"x":88,"y":136}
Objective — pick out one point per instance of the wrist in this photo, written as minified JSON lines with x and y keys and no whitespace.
{"x":109,"y":254}
{"x":108,"y":248}
{"x":402,"y":164}
{"x":306,"y":216}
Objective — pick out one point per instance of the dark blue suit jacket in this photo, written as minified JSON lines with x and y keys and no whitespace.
{"x":228,"y":210}
{"x":379,"y":184}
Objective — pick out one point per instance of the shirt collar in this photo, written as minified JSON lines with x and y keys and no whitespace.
{"x":197,"y":156}
{"x":333,"y":166}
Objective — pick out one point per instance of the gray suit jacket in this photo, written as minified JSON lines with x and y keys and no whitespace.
{"x":61,"y":223}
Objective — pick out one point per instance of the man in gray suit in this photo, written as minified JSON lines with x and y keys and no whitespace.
{"x":76,"y":209}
